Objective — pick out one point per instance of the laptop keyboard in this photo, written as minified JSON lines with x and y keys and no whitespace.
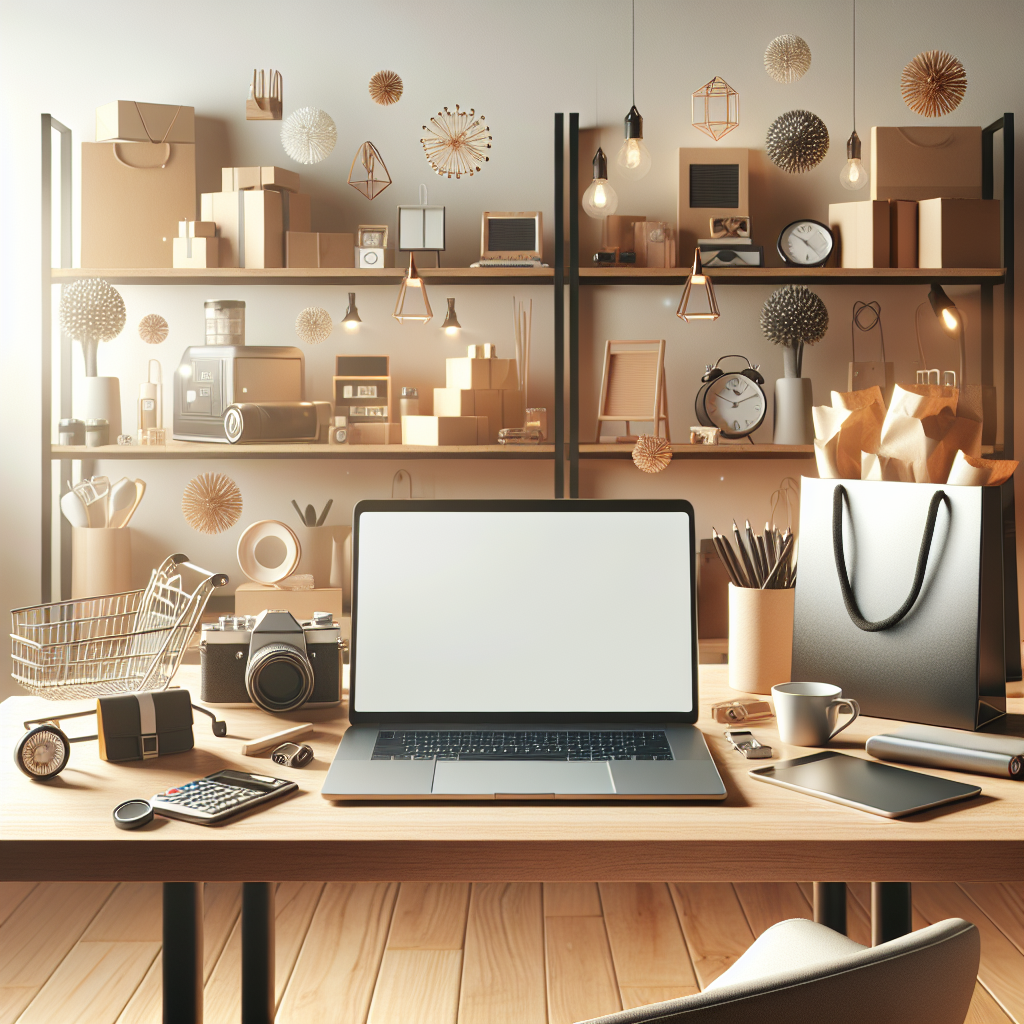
{"x":521,"y":745}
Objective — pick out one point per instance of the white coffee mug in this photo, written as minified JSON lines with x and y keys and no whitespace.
{"x":808,"y":713}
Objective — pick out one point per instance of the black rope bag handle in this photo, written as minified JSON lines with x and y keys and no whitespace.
{"x":844,"y":580}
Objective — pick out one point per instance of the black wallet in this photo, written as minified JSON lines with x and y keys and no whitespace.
{"x":138,"y":726}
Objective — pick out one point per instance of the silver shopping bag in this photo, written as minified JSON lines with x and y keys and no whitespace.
{"x":899,"y":599}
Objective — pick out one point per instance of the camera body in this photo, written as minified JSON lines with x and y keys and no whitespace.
{"x":271,"y":660}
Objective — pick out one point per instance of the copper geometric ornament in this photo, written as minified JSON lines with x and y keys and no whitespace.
{"x":372,"y":176}
{"x":715,"y":108}
{"x":933,"y":83}
{"x":455,"y":142}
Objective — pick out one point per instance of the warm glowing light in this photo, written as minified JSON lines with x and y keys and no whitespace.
{"x":853,"y":176}
{"x":949,"y":319}
{"x":600,"y":198}
{"x":632,"y":147}
{"x":451,"y":331}
{"x":698,"y":279}
{"x":634,"y":158}
{"x":352,"y":325}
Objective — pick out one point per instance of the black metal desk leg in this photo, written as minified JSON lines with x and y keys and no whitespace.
{"x":830,"y":905}
{"x":183,"y":953}
{"x":890,"y":911}
{"x":258,"y":952}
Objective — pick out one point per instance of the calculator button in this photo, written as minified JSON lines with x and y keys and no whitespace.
{"x":173,"y":791}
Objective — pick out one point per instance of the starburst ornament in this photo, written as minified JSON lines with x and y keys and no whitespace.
{"x":797,"y":141}
{"x":933,"y":83}
{"x":153,"y":329}
{"x":385,"y":88}
{"x":787,"y":59}
{"x":308,"y":135}
{"x":651,"y":454}
{"x":456,"y":142}
{"x":212,"y":503}
{"x":91,"y":311}
{"x":314,"y":325}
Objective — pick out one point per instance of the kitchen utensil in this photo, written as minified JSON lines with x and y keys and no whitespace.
{"x":75,"y":511}
{"x":323,"y":515}
{"x":123,"y":518}
{"x":120,"y":496}
{"x":310,"y":517}
{"x":299,"y":512}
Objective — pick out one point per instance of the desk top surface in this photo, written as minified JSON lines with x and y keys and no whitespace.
{"x":63,"y":829}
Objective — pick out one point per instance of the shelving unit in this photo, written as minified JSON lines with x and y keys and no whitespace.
{"x":204,"y":450}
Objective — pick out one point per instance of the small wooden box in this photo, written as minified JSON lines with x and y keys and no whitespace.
{"x":454,"y":402}
{"x":468,"y":374}
{"x":435,"y":431}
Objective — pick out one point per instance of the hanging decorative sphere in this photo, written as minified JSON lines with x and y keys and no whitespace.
{"x":91,"y":311}
{"x":797,"y":141}
{"x":385,"y":88}
{"x":794,"y":316}
{"x":308,"y":135}
{"x":456,"y":142}
{"x":787,"y":59}
{"x":212,"y":503}
{"x":314,"y":325}
{"x":933,"y":83}
{"x":651,"y":454}
{"x":153,"y":329}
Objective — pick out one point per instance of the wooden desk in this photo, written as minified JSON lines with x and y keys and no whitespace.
{"x":62,"y":830}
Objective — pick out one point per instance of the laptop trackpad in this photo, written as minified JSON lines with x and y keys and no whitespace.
{"x":519,"y":778}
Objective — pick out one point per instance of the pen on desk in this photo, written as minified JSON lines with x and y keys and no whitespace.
{"x":777,"y":575}
{"x":754,"y":557}
{"x":748,"y":566}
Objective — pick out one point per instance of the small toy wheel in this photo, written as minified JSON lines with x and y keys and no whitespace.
{"x":43,"y":752}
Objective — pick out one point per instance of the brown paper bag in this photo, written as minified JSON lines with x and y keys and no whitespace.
{"x":133,"y":195}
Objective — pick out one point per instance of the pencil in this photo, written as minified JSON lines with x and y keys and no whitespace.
{"x":748,"y":566}
{"x":755,"y":557}
{"x":770,"y":581}
{"x":769,"y":541}
{"x":724,"y":556}
{"x":763,"y":555}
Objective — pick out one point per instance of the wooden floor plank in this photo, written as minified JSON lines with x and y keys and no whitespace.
{"x":580,"y":975}
{"x":648,"y":952}
{"x":430,"y":915}
{"x":420,"y":985}
{"x":334,"y":976}
{"x":1002,"y":965}
{"x":984,"y":1009}
{"x":37,"y":936}
{"x":714,"y":926}
{"x":767,"y":903}
{"x":11,"y":895}
{"x":503,"y":977}
{"x":134,"y":913}
{"x":1001,"y":906}
{"x":571,"y":899}
{"x":92,"y":984}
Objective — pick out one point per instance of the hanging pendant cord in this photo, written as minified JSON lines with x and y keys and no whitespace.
{"x":854,"y":65}
{"x":634,"y":52}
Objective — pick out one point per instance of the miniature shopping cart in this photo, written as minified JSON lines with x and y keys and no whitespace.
{"x":114,"y":644}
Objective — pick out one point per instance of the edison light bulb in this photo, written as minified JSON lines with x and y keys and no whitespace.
{"x":634,"y":158}
{"x":854,"y":175}
{"x":600,"y":200}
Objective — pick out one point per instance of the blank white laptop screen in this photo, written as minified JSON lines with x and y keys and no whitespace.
{"x":523,"y":612}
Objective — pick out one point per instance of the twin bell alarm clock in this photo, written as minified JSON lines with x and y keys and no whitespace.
{"x":733,"y":402}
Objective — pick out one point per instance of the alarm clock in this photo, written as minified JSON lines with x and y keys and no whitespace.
{"x":733,"y":402}
{"x":805,"y":243}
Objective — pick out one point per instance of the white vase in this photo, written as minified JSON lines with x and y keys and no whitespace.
{"x":99,"y":398}
{"x":793,"y":401}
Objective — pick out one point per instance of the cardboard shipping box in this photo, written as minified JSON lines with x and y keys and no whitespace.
{"x":434,"y":431}
{"x":958,"y":233}
{"x":454,"y":402}
{"x":251,"y":225}
{"x":467,"y":374}
{"x":130,"y":121}
{"x":504,"y":375}
{"x":319,"y":249}
{"x":197,"y":253}
{"x":234,"y":178}
{"x":862,"y":233}
{"x":375,"y":433}
{"x":902,"y":233}
{"x":925,"y":162}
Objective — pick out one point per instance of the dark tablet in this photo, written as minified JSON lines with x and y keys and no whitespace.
{"x":866,"y":785}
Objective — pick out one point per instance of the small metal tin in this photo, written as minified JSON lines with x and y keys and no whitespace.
{"x":133,"y":814}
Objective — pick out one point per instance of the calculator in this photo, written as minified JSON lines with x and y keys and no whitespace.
{"x":219,"y":796}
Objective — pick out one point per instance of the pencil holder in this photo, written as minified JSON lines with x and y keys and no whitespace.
{"x":101,"y":561}
{"x":760,"y":638}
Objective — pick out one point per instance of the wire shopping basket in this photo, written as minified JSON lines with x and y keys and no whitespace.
{"x":113,"y":644}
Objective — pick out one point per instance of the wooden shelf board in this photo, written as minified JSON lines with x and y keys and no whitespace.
{"x":291,"y":275}
{"x":209,"y":450}
{"x":792,"y":275}
{"x":730,"y":450}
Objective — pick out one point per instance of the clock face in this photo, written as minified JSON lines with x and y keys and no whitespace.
{"x":735,"y":404}
{"x":805,"y":243}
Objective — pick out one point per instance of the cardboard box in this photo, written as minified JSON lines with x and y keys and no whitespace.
{"x":260,"y":213}
{"x":319,"y":249}
{"x":487,"y":351}
{"x":925,"y":162}
{"x":295,"y":211}
{"x":253,"y":598}
{"x":488,"y":403}
{"x":205,"y":252}
{"x":467,"y":374}
{"x":504,"y":376}
{"x":454,"y":402}
{"x":236,"y":178}
{"x":442,"y":430}
{"x":375,"y":433}
{"x":958,"y":233}
{"x":196,"y":229}
{"x":133,"y":200}
{"x":617,"y":231}
{"x":513,"y":409}
{"x":902,"y":233}
{"x":862,"y":233}
{"x":129,"y":121}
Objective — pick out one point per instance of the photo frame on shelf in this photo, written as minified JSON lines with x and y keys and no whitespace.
{"x":372,"y":236}
{"x":633,"y":386}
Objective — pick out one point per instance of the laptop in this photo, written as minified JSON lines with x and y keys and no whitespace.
{"x":523,"y":650}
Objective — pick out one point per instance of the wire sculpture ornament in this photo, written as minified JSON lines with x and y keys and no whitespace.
{"x":212,"y":503}
{"x":374,"y":177}
{"x":787,"y":59}
{"x":715,"y":108}
{"x":153,"y":329}
{"x":456,"y":142}
{"x":314,"y":325}
{"x":651,"y":454}
{"x":308,"y":135}
{"x":933,"y":83}
{"x":386,"y":88}
{"x":91,"y":311}
{"x":797,"y":141}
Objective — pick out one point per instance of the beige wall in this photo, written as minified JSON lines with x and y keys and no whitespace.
{"x":516,"y":63}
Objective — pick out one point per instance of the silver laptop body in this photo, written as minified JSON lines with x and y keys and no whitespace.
{"x":523,"y":650}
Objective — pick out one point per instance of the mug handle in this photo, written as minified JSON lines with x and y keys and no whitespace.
{"x":854,"y":709}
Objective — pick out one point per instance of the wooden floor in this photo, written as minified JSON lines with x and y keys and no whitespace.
{"x":517,"y":953}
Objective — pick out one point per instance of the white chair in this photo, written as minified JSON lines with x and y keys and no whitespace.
{"x":799,"y":972}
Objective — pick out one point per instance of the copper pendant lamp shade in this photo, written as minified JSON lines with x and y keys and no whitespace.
{"x":698,"y":311}
{"x":412,"y":303}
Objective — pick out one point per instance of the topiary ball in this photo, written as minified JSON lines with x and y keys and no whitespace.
{"x":794,"y":316}
{"x":797,"y":141}
{"x":91,"y":311}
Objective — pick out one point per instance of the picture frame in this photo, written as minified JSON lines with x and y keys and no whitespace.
{"x":372,"y":236}
{"x":633,"y":386}
{"x":512,"y":235}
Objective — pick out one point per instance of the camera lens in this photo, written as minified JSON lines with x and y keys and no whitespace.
{"x":279,"y":678}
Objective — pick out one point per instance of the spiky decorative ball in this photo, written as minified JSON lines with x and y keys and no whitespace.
{"x":91,"y":311}
{"x":651,"y":454}
{"x":794,"y":316}
{"x":385,"y":88}
{"x":314,"y":325}
{"x":787,"y":59}
{"x":308,"y":135}
{"x":933,"y":83}
{"x":797,"y":141}
{"x":212,"y":503}
{"x":153,"y":329}
{"x":455,"y":142}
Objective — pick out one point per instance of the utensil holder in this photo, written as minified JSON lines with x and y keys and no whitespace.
{"x":99,"y":398}
{"x":101,"y":561}
{"x":793,"y":401}
{"x":760,"y":638}
{"x":317,"y":544}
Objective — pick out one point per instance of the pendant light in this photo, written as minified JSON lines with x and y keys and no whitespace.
{"x":351,"y":319}
{"x":634,"y":157}
{"x":451,"y":325}
{"x":854,"y":176}
{"x":699,"y":278}
{"x":412,"y":303}
{"x":600,"y":199}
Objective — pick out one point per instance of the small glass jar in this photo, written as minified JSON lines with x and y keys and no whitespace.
{"x":409,"y":402}
{"x":225,"y":322}
{"x":97,"y":433}
{"x":71,"y":432}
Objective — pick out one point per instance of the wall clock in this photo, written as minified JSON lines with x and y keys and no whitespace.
{"x":733,"y":402}
{"x":805,"y":243}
